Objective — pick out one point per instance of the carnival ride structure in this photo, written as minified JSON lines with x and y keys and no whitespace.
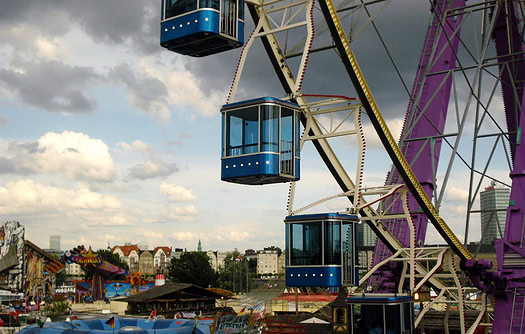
{"x":95,"y":265}
{"x":459,"y":70}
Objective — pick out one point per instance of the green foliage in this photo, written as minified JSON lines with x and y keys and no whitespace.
{"x":194,"y":268}
{"x":55,"y":309}
{"x":232,"y":276}
{"x":230,"y":257}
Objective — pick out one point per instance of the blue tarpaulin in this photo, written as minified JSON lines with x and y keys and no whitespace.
{"x":121,"y":326}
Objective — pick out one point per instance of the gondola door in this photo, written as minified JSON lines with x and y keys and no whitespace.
{"x":287,"y":141}
{"x":229,"y":17}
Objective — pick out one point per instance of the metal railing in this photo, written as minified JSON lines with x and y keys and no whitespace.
{"x":229,"y":18}
{"x":287,"y":157}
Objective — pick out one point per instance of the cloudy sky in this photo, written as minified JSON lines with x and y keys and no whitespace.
{"x":105,"y":137}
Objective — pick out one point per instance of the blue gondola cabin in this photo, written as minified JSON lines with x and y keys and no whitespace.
{"x":202,"y":27}
{"x":260,"y":141}
{"x":381,"y":313}
{"x":321,"y":250}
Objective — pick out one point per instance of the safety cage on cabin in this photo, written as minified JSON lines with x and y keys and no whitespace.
{"x":260,"y":141}
{"x":321,"y":250}
{"x":202,"y":27}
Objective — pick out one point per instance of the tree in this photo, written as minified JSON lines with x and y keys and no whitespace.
{"x":192,"y":267}
{"x":233,"y":275}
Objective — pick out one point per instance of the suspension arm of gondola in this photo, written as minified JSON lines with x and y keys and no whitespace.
{"x":383,"y":132}
{"x":299,"y":54}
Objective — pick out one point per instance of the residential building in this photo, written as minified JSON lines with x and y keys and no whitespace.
{"x":146,"y":264}
{"x":250,"y":254}
{"x":494,"y":201}
{"x":162,"y":258}
{"x":73,"y":269}
{"x":54,"y":242}
{"x":130,"y":253}
{"x":221,"y":256}
{"x":212,"y":256}
{"x":216,"y":259}
{"x":177,"y":252}
{"x":268,"y":261}
{"x":282,"y":263}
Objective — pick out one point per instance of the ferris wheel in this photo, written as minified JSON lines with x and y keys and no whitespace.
{"x":461,"y":131}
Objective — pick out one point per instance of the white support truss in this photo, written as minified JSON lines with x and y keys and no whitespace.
{"x":297,"y":15}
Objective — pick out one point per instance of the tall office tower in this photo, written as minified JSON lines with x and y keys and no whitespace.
{"x":493,"y":204}
{"x":54,"y":241}
{"x":367,"y":237}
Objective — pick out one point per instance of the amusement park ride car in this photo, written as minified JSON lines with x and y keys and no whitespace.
{"x":411,"y":197}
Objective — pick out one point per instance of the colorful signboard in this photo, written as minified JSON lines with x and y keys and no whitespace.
{"x":112,"y":289}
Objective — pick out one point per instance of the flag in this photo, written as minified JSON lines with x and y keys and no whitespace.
{"x":111,"y":322}
{"x":261,"y":315}
{"x":259,"y":306}
{"x":242,"y":311}
{"x":178,"y":315}
{"x":194,"y":331}
{"x":13,"y":312}
{"x":152,"y":315}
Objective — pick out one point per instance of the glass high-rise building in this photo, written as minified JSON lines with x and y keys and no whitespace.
{"x":493,"y":204}
{"x":367,"y":237}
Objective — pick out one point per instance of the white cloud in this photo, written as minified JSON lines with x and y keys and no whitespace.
{"x":232,"y":236}
{"x":371,"y":138}
{"x":150,"y":170}
{"x":184,"y":88}
{"x":112,"y":221}
{"x":137,"y":146}
{"x":146,"y":93}
{"x":151,"y":238}
{"x":185,"y":236}
{"x":29,"y":197}
{"x":49,"y":48}
{"x":457,"y":194}
{"x":177,"y":193}
{"x":74,"y":155}
{"x":181,"y":212}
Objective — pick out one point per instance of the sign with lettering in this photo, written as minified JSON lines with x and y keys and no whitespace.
{"x":234,"y":324}
{"x":89,"y":258}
